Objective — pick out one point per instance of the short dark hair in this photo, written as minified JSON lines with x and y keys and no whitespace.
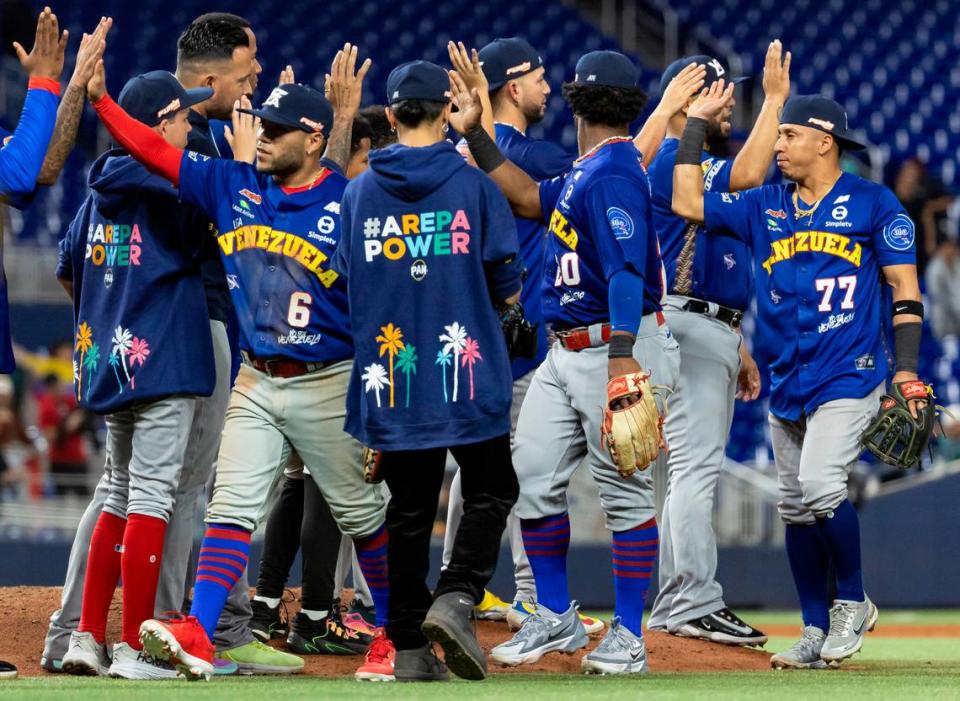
{"x":361,"y":131}
{"x":212,"y":37}
{"x":599,"y":104}
{"x":412,"y":113}
{"x":383,"y":134}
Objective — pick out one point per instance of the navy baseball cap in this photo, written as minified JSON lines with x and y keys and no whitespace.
{"x":608,"y":68}
{"x":152,"y":97}
{"x":715,"y":71}
{"x":418,"y":80}
{"x":505,"y":59}
{"x":818,"y":112}
{"x":298,"y":107}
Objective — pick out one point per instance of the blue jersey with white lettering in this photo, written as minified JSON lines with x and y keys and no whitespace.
{"x":276,"y":250}
{"x":818,"y":284}
{"x":719,"y":266}
{"x":600,"y":221}
{"x":429,"y":245}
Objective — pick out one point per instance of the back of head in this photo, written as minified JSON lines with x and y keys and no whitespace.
{"x":604,"y":90}
{"x":382,"y":133}
{"x":417,"y":93}
{"x":211,"y":37}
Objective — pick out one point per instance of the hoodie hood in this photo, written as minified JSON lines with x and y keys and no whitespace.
{"x":115,"y":176}
{"x":411,"y":173}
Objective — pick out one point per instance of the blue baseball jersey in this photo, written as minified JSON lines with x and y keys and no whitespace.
{"x":429,"y":245}
{"x":818,"y":284}
{"x":276,"y":250}
{"x":600,"y":222}
{"x":133,"y":256}
{"x":719,"y":266}
{"x":541,"y":160}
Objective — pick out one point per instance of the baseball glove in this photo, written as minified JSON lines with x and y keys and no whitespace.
{"x":895,"y":436}
{"x":371,"y":466}
{"x":632,"y":433}
{"x":520,"y":334}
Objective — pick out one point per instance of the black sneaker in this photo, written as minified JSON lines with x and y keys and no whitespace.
{"x":327,"y":636}
{"x":419,"y":665}
{"x":7,"y":670}
{"x":266,"y":624}
{"x":723,"y":626}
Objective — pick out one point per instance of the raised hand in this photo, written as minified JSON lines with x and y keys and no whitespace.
{"x":467,"y":65}
{"x":684,"y":85}
{"x":344,"y":84}
{"x":243,"y":137}
{"x":97,"y":86}
{"x":469,"y":108}
{"x":92,"y":48}
{"x":49,"y":46}
{"x":776,"y":72}
{"x":286,"y":76}
{"x":712,"y":100}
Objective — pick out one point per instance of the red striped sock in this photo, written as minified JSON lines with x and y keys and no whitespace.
{"x":142,"y":555}
{"x":372,"y":558}
{"x":634,"y":554}
{"x":103,"y":571}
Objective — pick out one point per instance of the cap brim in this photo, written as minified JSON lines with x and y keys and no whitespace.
{"x":849,"y":144}
{"x":195,"y":96}
{"x":274,"y":118}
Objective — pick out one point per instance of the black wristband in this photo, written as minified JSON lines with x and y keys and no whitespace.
{"x":620,"y":346}
{"x":908,"y":306}
{"x":906,"y":343}
{"x":484,"y":149}
{"x":690,"y":150}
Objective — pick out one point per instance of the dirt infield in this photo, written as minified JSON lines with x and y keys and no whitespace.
{"x":24,"y":612}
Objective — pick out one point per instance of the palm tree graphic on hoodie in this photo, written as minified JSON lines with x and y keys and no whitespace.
{"x":375,"y":377}
{"x":407,"y":364}
{"x":471,"y":354}
{"x":454,"y":340}
{"x":443,"y":360}
{"x":390,"y":343}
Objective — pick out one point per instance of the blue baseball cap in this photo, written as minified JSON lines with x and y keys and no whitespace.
{"x":819,"y":112}
{"x":503,"y":60}
{"x":418,"y":80}
{"x":152,"y":97}
{"x":715,"y":71}
{"x":607,"y":68}
{"x":298,"y":107}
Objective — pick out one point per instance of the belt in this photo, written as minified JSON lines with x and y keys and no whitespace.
{"x":285,"y":367}
{"x":729,"y":316}
{"x":591,"y":336}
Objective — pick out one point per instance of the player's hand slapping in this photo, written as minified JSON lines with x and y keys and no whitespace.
{"x":92,"y":48}
{"x":711,"y":101}
{"x":287,"y":76}
{"x":776,"y":73}
{"x":343,"y":85}
{"x":466,"y":64}
{"x":243,"y":135}
{"x":685,"y":85}
{"x":49,"y":46}
{"x":469,"y":108}
{"x":97,"y":85}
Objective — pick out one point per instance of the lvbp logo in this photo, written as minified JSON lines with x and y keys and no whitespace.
{"x":899,"y":234}
{"x":418,"y":270}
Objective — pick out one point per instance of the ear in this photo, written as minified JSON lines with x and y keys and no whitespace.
{"x":447,"y":111}
{"x":513,"y":90}
{"x":391,"y":118}
{"x":826,"y":144}
{"x":316,"y":143}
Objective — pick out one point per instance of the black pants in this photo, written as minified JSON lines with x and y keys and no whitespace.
{"x":300,"y":520}
{"x":415,"y":478}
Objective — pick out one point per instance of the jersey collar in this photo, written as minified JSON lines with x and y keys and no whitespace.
{"x":606,"y":142}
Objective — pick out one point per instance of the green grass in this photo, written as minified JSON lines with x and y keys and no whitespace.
{"x":888,"y":668}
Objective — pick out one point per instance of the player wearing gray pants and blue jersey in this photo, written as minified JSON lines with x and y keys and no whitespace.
{"x":822,"y":245}
{"x":710,"y":285}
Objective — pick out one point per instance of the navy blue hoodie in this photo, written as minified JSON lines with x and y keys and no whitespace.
{"x":140,"y":313}
{"x":427,"y":243}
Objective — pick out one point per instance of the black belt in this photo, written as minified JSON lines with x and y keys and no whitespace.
{"x":729,"y":316}
{"x":285,"y":367}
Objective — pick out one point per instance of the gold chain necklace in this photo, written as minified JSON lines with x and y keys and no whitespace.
{"x":800,"y":213}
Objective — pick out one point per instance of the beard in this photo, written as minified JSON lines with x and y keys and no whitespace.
{"x":534,"y":113}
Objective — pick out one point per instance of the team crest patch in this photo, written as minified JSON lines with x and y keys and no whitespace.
{"x":865,"y":362}
{"x":620,"y":223}
{"x":899,"y":234}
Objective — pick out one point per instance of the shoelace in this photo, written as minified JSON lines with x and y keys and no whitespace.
{"x":841,"y":619}
{"x":379,"y":649}
{"x":807,"y":644}
{"x":532,"y":625}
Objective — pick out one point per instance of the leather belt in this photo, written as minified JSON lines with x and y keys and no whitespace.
{"x":578,"y":338}
{"x":285,"y":367}
{"x":729,"y":316}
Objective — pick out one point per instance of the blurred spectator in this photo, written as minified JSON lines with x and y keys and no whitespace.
{"x":11,"y":431}
{"x":64,"y":424}
{"x":943,"y":288}
{"x":926,"y":200}
{"x":948,"y":444}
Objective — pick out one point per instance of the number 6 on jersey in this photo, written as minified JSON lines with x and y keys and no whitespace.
{"x":298,"y":315}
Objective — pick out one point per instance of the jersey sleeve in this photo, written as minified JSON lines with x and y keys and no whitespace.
{"x":716,"y":174}
{"x":21,"y":156}
{"x":500,"y":247}
{"x":206,"y":182}
{"x":617,"y":211}
{"x":65,"y":249}
{"x":894,"y":233}
{"x":549,"y":194}
{"x":732,"y":213}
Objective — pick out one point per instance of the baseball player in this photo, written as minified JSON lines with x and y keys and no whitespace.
{"x":821,"y":244}
{"x":710,"y":284}
{"x":429,"y":247}
{"x":602,"y":288}
{"x":217,"y":50}
{"x":290,"y":392}
{"x":128,"y":258}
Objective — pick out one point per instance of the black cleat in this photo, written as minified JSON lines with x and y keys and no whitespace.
{"x":448,"y":623}
{"x":266,"y":624}
{"x":723,"y":626}
{"x":327,"y":636}
{"x":419,"y":665}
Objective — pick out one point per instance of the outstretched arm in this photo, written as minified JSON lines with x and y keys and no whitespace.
{"x":685,"y":85}
{"x":520,"y":189}
{"x":344,"y":90}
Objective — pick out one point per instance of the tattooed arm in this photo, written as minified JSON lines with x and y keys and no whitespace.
{"x":344,"y":89}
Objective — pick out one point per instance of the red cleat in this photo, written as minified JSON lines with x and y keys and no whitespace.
{"x":378,"y":666}
{"x":182,"y":642}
